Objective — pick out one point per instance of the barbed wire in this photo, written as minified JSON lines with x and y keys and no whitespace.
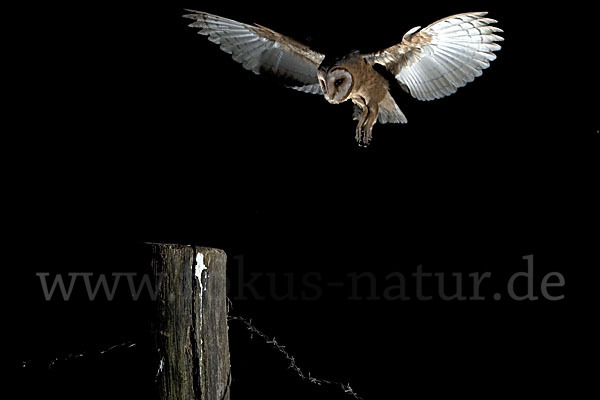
{"x":291,"y":359}
{"x":54,"y":362}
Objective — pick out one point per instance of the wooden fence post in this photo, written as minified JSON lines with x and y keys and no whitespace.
{"x":191,"y":335}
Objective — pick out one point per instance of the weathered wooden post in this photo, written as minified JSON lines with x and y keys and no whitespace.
{"x":191,"y":335}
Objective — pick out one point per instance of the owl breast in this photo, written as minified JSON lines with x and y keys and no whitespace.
{"x":336,"y":84}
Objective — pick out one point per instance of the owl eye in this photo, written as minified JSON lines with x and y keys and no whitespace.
{"x":338,"y":82}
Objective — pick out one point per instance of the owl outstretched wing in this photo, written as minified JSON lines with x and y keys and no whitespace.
{"x":435,"y":61}
{"x":262,"y":50}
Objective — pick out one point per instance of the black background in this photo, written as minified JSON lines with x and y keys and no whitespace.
{"x":125,"y":126}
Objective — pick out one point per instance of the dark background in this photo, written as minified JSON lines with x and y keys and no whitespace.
{"x":125,"y":126}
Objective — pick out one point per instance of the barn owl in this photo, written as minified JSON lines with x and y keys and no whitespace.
{"x":428,"y":63}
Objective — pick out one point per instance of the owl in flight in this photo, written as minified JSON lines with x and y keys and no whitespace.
{"x":428,"y":63}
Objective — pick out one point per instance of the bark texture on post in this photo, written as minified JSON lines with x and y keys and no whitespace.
{"x":191,"y":327}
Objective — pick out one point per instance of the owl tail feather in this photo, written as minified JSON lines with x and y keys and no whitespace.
{"x":389,"y":112}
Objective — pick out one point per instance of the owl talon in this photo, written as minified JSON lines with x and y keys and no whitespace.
{"x":363,"y":138}
{"x":360,"y":135}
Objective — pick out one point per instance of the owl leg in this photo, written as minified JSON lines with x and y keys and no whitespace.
{"x":373,"y":109}
{"x":362,"y":118}
{"x":360,"y":125}
{"x":368,"y":117}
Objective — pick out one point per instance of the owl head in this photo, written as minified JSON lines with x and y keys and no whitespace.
{"x":336,"y":83}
